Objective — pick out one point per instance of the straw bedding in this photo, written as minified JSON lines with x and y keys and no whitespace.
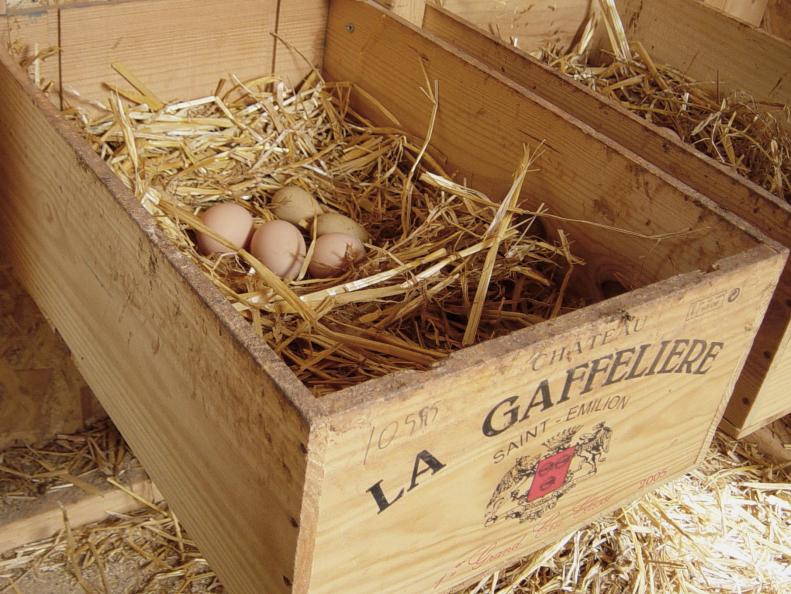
{"x":447,"y":266}
{"x":723,"y":528}
{"x":752,"y":137}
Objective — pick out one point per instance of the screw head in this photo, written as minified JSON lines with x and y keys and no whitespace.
{"x":350,"y":28}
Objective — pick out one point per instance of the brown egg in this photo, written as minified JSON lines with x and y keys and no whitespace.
{"x":333,"y":253}
{"x":230,"y":221}
{"x":333,"y":222}
{"x":295,"y":205}
{"x":280,"y":247}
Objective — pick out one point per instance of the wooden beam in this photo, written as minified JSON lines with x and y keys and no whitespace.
{"x":43,"y":517}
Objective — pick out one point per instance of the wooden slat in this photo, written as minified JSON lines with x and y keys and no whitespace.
{"x":710,"y":46}
{"x":179,"y":48}
{"x":43,"y":516}
{"x":199,"y":398}
{"x":42,"y":391}
{"x":301,"y":24}
{"x":774,"y":441}
{"x":750,"y":11}
{"x":534,"y":24}
{"x":769,"y":368}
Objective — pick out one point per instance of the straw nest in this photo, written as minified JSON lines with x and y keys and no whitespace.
{"x":751,"y":137}
{"x":447,"y":266}
{"x":723,"y":528}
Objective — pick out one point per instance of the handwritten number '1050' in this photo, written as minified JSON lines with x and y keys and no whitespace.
{"x":408,"y":426}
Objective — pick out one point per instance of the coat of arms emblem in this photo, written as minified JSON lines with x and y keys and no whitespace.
{"x":536,"y":483}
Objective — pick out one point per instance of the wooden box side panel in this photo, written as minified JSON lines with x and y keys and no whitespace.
{"x":178,"y":48}
{"x":766,"y":371}
{"x":771,"y":215}
{"x":514,"y":442}
{"x":302,"y":24}
{"x":41,"y":391}
{"x":532,"y":24}
{"x":711,"y":47}
{"x":482,"y":125}
{"x":762,"y":392}
{"x":200,"y":400}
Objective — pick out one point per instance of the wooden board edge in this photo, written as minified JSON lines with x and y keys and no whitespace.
{"x":754,"y":427}
{"x":772,"y":440}
{"x":309,"y":514}
{"x":81,"y":507}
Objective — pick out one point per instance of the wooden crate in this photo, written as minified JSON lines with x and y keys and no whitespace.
{"x":416,"y":481}
{"x":738,"y":56}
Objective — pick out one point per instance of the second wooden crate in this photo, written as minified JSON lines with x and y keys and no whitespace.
{"x":709,"y":46}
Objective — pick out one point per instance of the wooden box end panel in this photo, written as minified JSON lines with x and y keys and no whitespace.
{"x":516,"y":441}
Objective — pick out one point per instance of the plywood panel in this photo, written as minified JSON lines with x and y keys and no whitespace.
{"x":176,"y":47}
{"x":41,"y":391}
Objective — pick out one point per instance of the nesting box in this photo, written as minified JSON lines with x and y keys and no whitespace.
{"x":710,"y":46}
{"x":416,"y":481}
